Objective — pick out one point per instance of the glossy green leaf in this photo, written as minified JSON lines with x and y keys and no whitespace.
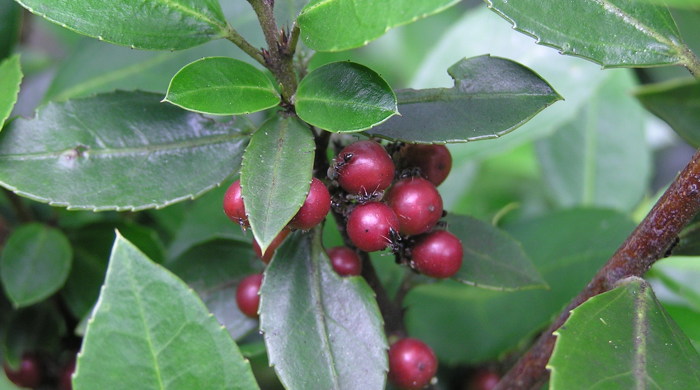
{"x":623,"y":339}
{"x":609,"y":32}
{"x":222,"y":86}
{"x":491,"y":96}
{"x":355,"y":23}
{"x":213,"y":270}
{"x":322,"y":331}
{"x":677,"y":103}
{"x":150,"y":315}
{"x":567,"y":247}
{"x":158,"y":25}
{"x":608,"y":132}
{"x":10,"y":24}
{"x":492,"y":259}
{"x":276,"y":175}
{"x":344,"y":97}
{"x":35,"y":262}
{"x":10,"y":79}
{"x":118,"y":151}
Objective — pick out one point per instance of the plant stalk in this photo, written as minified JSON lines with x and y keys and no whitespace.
{"x":244,"y":45}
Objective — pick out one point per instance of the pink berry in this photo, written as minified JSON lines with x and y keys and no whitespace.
{"x":364,"y":168}
{"x":28,"y":374}
{"x":371,"y":225}
{"x":233,"y":204}
{"x":417,"y":203}
{"x":272,"y":248}
{"x":345,"y":261}
{"x":412,"y":364}
{"x":315,"y":207}
{"x":434,"y":161}
{"x":247,"y":295}
{"x":438,"y":254}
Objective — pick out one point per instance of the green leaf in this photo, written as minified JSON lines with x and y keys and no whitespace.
{"x":491,"y":96}
{"x":10,"y":24}
{"x":679,"y":275}
{"x":311,"y":316}
{"x":612,"y":33}
{"x":150,"y":315}
{"x":344,"y":97}
{"x":37,"y":328}
{"x":156,"y":25}
{"x":677,"y":103}
{"x":222,"y":86}
{"x":567,"y":247}
{"x":117,"y":151}
{"x":683,"y":4}
{"x":35,"y":263}
{"x":276,"y":175}
{"x":492,"y":259}
{"x":10,"y":79}
{"x":623,"y":339}
{"x":355,"y":23}
{"x":576,"y":160}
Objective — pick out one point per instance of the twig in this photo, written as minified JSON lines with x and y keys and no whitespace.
{"x":244,"y":45}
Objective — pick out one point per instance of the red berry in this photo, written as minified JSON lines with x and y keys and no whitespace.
{"x":434,"y":161}
{"x":247,"y":296}
{"x":272,"y":248}
{"x":438,"y":254}
{"x":370,"y":226}
{"x":412,"y":364}
{"x":65,"y":380}
{"x":233,"y":204}
{"x":345,"y":261}
{"x":417,"y":203}
{"x":28,"y":374}
{"x":364,"y":168}
{"x":484,"y":380}
{"x":315,"y":207}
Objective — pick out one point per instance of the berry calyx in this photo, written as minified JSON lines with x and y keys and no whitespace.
{"x":437,"y":254}
{"x":434,"y":161}
{"x":371,"y":226}
{"x":412,"y":364}
{"x":233,"y":204}
{"x":364,"y":168}
{"x":247,"y":295}
{"x":417,"y":203}
{"x":315,"y":207}
{"x":28,"y":374}
{"x":345,"y":261}
{"x":272,"y":248}
{"x":484,"y":380}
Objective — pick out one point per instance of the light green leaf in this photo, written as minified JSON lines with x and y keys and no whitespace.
{"x":356,"y":22}
{"x":677,"y":103}
{"x":344,"y":97}
{"x":117,"y":151}
{"x":148,"y":314}
{"x":35,"y":263}
{"x":156,"y":25}
{"x":491,"y":97}
{"x":222,"y":86}
{"x":322,"y":331}
{"x":276,"y":175}
{"x":623,"y":339}
{"x":683,"y":4}
{"x":10,"y":79}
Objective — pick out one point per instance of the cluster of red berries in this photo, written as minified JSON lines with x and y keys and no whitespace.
{"x":30,"y":373}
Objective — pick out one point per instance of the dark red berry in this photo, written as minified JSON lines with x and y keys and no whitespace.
{"x":315,"y":207}
{"x":247,"y":295}
{"x":412,"y":364}
{"x":272,"y":248}
{"x":345,"y":261}
{"x":484,"y":380}
{"x":434,"y":161}
{"x":65,"y":380}
{"x":437,"y":254}
{"x":417,"y":203}
{"x":364,"y":168}
{"x":233,"y":204}
{"x":28,"y":374}
{"x":370,"y":226}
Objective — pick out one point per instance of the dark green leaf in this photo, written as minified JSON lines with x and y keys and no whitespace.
{"x":118,"y":151}
{"x":608,"y":132}
{"x":610,"y":32}
{"x":356,"y":23}
{"x":623,"y":339}
{"x":158,"y":25}
{"x":222,"y":86}
{"x":10,"y":24}
{"x":322,"y":331}
{"x":276,"y":175}
{"x":491,"y":97}
{"x":677,"y":103}
{"x":567,"y":247}
{"x":10,"y":79}
{"x":344,"y":97}
{"x":35,"y":263}
{"x":492,"y":259}
{"x":37,"y":328}
{"x":150,"y":315}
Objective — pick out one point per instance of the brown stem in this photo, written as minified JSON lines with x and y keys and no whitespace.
{"x":650,"y":241}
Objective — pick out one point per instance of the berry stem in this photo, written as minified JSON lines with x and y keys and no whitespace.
{"x":649,"y":242}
